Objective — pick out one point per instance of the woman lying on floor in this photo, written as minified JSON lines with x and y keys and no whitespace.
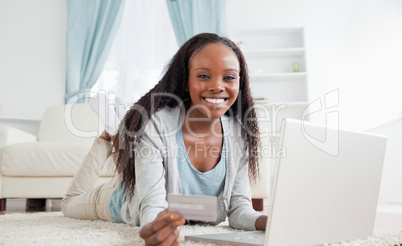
{"x":194,"y":133}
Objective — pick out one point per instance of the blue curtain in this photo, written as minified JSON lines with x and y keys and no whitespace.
{"x":190,"y":17}
{"x":91,"y":28}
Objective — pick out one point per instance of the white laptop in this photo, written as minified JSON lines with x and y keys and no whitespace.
{"x":325,"y":189}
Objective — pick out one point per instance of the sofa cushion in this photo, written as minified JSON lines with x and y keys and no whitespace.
{"x":46,"y":159}
{"x":69,"y":123}
{"x":10,"y":135}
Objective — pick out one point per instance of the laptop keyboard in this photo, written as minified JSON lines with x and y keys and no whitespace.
{"x":250,"y":238}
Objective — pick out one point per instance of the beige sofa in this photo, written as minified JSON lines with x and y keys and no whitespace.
{"x":43,"y":166}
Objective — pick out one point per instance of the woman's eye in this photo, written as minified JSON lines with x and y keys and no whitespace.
{"x":230,"y":77}
{"x":203,"y":76}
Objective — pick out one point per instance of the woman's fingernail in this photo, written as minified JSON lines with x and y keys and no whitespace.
{"x":180,"y":222}
{"x":174,"y":216}
{"x":180,"y":238}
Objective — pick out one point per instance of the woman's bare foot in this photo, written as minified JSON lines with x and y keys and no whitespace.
{"x":110,"y":116}
{"x":106,"y":136}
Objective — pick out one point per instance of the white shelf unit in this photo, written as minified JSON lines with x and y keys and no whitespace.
{"x":270,"y":54}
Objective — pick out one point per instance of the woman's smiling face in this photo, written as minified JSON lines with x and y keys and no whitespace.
{"x":213,"y":81}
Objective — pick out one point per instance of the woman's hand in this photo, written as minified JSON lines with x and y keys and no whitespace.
{"x":164,"y":230}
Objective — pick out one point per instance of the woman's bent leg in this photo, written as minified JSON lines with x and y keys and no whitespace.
{"x":82,"y":201}
{"x":92,"y":205}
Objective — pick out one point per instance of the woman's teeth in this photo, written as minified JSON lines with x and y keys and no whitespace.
{"x":215,"y":100}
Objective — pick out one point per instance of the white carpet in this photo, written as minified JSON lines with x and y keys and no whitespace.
{"x":55,"y":229}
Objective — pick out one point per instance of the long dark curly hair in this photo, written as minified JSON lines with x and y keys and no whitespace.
{"x":174,"y":82}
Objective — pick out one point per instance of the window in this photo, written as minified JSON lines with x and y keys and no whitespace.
{"x":143,"y":46}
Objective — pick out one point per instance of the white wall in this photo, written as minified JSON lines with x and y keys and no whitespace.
{"x":352,"y":45}
{"x":32,"y":56}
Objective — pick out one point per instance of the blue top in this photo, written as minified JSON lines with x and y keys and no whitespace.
{"x":158,"y":175}
{"x":194,"y":182}
{"x":116,"y":201}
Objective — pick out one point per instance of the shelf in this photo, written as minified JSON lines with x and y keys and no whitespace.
{"x":291,"y":104}
{"x":277,"y":76}
{"x":282,"y":52}
{"x":269,"y":31}
{"x":269,"y":38}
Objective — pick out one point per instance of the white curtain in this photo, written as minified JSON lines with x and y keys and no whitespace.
{"x":142,"y":48}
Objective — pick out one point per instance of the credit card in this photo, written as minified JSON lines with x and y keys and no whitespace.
{"x":198,"y":208}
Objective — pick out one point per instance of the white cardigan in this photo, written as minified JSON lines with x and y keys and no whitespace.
{"x":157,"y":174}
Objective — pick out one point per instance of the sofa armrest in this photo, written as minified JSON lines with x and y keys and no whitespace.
{"x":10,"y":135}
